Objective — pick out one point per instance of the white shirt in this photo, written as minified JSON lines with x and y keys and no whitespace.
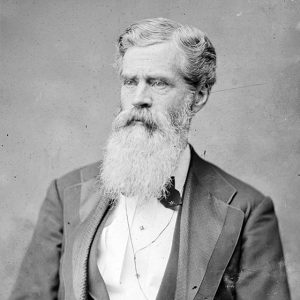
{"x":151,"y":227}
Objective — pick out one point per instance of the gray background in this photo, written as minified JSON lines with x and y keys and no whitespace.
{"x":59,"y":94}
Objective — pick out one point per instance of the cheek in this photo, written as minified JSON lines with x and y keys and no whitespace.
{"x":125,"y":100}
{"x":175,"y":102}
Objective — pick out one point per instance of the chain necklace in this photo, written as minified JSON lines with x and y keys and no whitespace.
{"x":137,"y":275}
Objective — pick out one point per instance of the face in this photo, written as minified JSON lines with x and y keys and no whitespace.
{"x":150,"y":79}
{"x":151,"y":132}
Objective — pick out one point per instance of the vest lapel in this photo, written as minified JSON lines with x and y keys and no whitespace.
{"x":203,"y":229}
{"x":96,"y":285}
{"x":168,"y":284}
{"x":82,"y":245}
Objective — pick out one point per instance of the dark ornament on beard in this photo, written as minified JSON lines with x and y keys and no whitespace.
{"x":172,"y":198}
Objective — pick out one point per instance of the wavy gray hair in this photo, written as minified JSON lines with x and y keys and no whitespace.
{"x":198,"y":67}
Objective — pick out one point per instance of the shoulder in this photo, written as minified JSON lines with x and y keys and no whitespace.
{"x":247,"y":197}
{"x":78,"y":176}
{"x":243,"y":196}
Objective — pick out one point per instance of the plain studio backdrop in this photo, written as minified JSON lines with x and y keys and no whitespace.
{"x":59,"y":94}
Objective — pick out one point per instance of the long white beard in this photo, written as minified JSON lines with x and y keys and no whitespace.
{"x":142,"y":152}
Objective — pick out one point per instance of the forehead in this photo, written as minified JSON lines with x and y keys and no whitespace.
{"x":161,"y":59}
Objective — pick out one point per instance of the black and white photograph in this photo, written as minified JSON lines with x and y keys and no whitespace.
{"x":150,"y":150}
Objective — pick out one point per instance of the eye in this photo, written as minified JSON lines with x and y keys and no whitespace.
{"x":159,"y":83}
{"x":129,"y":82}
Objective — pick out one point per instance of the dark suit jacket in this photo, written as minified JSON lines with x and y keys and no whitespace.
{"x":228,"y":243}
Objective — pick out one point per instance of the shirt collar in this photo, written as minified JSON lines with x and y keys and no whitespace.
{"x":182,"y":168}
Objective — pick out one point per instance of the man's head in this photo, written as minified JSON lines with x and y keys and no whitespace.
{"x":167,"y":71}
{"x":196,"y":55}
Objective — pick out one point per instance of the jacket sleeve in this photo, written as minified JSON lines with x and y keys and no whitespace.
{"x":39,"y":273}
{"x":262,"y":274}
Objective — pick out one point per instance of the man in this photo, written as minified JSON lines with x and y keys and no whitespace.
{"x":129,"y":231}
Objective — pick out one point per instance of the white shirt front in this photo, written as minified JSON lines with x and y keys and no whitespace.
{"x":151,"y":228}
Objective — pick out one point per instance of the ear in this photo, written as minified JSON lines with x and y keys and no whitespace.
{"x":200,"y":98}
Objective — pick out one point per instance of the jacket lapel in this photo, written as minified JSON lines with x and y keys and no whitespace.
{"x":82,"y":245}
{"x":203,"y":230}
{"x":222,"y":253}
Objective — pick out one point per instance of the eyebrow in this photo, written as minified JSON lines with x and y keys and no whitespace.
{"x":127,"y":76}
{"x":149,"y":77}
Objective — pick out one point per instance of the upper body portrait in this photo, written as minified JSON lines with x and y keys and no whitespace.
{"x":153,"y":220}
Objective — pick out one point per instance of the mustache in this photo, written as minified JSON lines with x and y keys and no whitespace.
{"x":144,"y":116}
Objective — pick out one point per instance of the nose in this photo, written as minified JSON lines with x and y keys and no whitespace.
{"x":142,"y":97}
